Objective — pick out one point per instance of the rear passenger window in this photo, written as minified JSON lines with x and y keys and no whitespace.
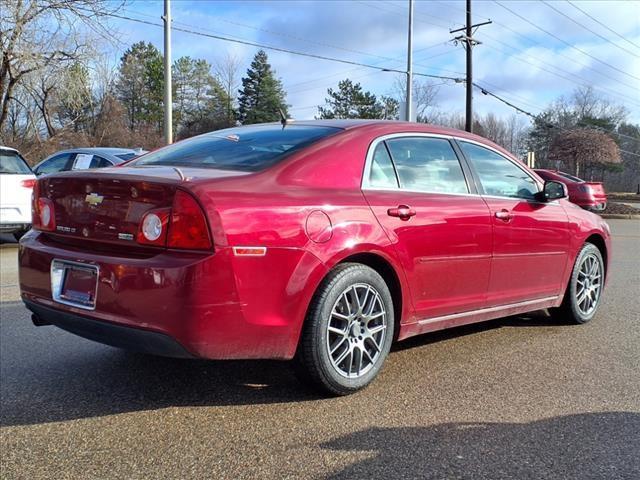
{"x":427,"y":164}
{"x":382,"y":173}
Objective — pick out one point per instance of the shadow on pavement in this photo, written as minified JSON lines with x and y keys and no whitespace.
{"x":589,"y":445}
{"x":47,"y":375}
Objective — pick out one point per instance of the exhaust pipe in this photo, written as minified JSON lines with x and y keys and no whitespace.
{"x":38,"y":322}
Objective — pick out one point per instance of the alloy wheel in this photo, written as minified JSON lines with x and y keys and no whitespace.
{"x":589,"y":284}
{"x":356,"y":330}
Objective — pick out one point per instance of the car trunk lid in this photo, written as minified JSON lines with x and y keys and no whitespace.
{"x":108,"y":205}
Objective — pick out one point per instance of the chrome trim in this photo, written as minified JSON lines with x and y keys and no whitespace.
{"x":499,"y":308}
{"x":56,"y":290}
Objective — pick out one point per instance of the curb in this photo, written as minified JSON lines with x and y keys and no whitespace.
{"x":621,"y":216}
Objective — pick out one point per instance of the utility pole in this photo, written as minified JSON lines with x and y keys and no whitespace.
{"x":168,"y":106}
{"x":409,"y":98}
{"x":468,"y":41}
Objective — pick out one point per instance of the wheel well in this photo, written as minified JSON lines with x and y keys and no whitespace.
{"x":598,"y":241}
{"x":389,"y":275}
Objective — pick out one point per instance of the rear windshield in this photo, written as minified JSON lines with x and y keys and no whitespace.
{"x":570,"y":177}
{"x":12,"y":162}
{"x":248,"y":149}
{"x":126,"y":156}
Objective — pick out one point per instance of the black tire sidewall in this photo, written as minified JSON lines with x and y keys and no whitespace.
{"x":327,"y":295}
{"x":571,"y":304}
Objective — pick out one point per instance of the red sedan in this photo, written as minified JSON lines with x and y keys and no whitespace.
{"x":320,"y":241}
{"x":589,"y":195}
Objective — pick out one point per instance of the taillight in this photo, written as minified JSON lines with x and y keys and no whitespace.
{"x":153,"y":228}
{"x":183,"y":226}
{"x":28,"y":183}
{"x":188,"y":227}
{"x":43,"y":215}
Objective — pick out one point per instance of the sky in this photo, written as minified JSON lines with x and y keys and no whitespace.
{"x":531,"y":54}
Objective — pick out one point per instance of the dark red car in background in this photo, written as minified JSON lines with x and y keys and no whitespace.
{"x":589,"y":195}
{"x":320,"y":241}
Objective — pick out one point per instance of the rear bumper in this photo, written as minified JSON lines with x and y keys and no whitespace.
{"x":214,"y":306}
{"x":14,"y":227}
{"x":134,"y":339}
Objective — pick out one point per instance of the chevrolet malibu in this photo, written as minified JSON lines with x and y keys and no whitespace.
{"x":321,"y":241}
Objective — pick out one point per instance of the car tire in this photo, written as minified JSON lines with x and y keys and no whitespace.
{"x":584,"y":291}
{"x":348,"y":331}
{"x":19,"y":235}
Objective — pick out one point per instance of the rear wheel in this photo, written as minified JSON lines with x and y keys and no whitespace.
{"x":348,"y":331}
{"x":584,"y":291}
{"x":20,"y":234}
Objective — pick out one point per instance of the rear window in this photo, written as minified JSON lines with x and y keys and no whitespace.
{"x":570,"y":177}
{"x":12,"y":162}
{"x":126,"y":156}
{"x":248,"y":149}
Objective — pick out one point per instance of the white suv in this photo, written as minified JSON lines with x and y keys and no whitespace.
{"x":16,"y":185}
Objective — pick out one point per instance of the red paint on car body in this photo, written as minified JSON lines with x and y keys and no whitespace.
{"x":452,"y":260}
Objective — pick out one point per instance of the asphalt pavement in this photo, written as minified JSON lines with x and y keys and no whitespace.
{"x":520,"y":397}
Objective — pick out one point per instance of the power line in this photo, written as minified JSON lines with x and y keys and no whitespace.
{"x":279,"y":49}
{"x":271,"y":32}
{"x":588,"y":29}
{"x":549,"y":124}
{"x":603,"y":25}
{"x":564,"y":41}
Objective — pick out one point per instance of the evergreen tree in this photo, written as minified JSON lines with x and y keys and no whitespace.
{"x":262,"y":96}
{"x":140,"y":85}
{"x":350,"y":101}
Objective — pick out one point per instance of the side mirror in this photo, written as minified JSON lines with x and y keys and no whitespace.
{"x":553,"y":191}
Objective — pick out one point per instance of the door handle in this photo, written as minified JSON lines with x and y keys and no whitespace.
{"x":504,"y":215}
{"x":403,"y":212}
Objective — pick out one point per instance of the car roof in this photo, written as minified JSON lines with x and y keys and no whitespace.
{"x":2,"y":147}
{"x":104,"y":150}
{"x":395,"y":126}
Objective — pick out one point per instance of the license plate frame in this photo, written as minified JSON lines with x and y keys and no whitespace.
{"x":62,"y":272}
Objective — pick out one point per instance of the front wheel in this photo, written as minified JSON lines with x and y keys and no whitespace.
{"x":584,"y":291}
{"x":348,"y":331}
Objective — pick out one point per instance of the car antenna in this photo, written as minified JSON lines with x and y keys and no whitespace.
{"x":283,"y":119}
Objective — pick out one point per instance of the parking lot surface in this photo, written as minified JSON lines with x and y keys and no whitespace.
{"x":520,"y":397}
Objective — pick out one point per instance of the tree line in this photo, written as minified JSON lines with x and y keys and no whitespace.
{"x":57,"y":89}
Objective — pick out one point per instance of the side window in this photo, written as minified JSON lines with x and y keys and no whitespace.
{"x":55,"y":164}
{"x":498,"y":175}
{"x":99,"y":162}
{"x":382,"y":174}
{"x":427,"y":164}
{"x":83,"y":161}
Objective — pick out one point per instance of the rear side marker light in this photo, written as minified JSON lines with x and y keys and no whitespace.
{"x":249,"y":251}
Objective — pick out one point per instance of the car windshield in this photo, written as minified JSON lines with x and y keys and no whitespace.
{"x":247,"y":149}
{"x":126,"y":156}
{"x":12,"y":162}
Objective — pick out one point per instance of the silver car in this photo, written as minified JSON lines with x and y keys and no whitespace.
{"x":84,"y":158}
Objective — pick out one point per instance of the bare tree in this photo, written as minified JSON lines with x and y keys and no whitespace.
{"x":38,"y":34}
{"x":227,"y":72}
{"x":424,"y":97}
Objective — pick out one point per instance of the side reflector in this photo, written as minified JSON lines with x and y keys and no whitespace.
{"x":249,"y":251}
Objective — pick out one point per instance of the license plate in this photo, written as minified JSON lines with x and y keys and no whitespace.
{"x":74,"y":284}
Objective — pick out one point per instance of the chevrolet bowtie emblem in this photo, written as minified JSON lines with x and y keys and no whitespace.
{"x":93,"y":199}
